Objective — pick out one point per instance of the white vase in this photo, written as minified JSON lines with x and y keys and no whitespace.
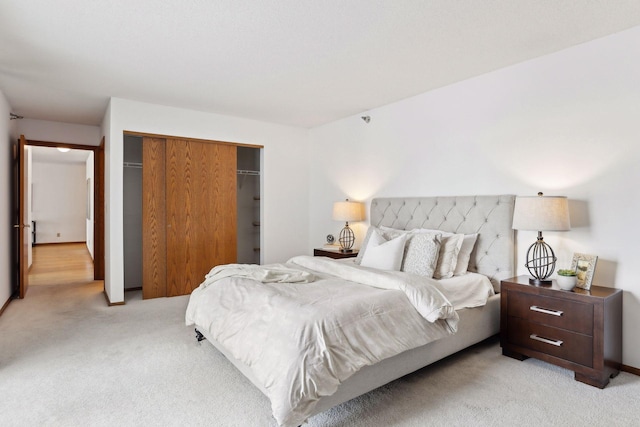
{"x":566,"y":282}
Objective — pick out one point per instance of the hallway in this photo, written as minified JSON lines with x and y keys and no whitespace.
{"x":61,"y":264}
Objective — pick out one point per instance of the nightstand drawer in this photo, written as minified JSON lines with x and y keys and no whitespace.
{"x":560,"y":313}
{"x":561,"y":343}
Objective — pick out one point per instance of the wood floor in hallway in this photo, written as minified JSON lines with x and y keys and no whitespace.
{"x":61,"y":264}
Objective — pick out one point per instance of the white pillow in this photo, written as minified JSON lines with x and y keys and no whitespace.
{"x":383,"y":254}
{"x":365,"y":242}
{"x":449,"y":250}
{"x":421,"y":253}
{"x":448,"y":256}
{"x":464,"y":256}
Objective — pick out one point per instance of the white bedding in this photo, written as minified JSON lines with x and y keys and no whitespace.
{"x":301,"y":340}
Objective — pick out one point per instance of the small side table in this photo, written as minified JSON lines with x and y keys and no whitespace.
{"x":578,"y":330}
{"x":334,"y":253}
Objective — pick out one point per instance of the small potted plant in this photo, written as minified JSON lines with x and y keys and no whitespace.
{"x":566,"y":279}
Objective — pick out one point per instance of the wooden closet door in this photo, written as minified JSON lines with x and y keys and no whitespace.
{"x":201,"y":211}
{"x":154,"y":243}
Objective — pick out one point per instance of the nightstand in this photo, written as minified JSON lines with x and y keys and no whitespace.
{"x":335,"y":254}
{"x":578,"y":330}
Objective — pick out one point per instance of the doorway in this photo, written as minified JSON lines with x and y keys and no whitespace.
{"x":61,"y":264}
{"x":61,"y":250}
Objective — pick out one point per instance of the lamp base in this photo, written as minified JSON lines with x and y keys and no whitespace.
{"x":346,"y":239}
{"x":539,"y":282}
{"x":541,"y":262}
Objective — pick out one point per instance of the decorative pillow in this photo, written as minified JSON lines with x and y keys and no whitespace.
{"x":448,"y":256}
{"x":365,"y":242}
{"x":383,"y":254}
{"x":464,"y":254}
{"x":468,"y":243}
{"x":416,"y":265}
{"x":421,"y":253}
{"x":449,"y":250}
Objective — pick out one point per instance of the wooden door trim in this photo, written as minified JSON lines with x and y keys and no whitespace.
{"x":98,"y":212}
{"x":109,"y":303}
{"x":98,"y":197}
{"x":208,"y":141}
{"x":23,"y":242}
{"x":6,"y":304}
{"x":52,"y":144}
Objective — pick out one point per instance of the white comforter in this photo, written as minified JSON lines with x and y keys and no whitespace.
{"x":302,"y":339}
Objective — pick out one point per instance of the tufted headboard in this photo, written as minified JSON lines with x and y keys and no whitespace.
{"x":489,"y":216}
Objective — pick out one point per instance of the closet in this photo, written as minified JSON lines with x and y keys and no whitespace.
{"x":248,"y":205}
{"x":189,"y":212}
{"x":132,"y":210}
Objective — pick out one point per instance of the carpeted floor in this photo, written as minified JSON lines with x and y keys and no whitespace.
{"x":66,"y":359}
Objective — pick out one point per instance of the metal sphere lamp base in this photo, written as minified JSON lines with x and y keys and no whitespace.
{"x":541,"y":262}
{"x":346,"y":239}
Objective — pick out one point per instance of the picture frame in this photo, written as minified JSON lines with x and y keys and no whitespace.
{"x":584,"y":265}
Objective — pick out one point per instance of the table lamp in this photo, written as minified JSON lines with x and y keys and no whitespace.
{"x":347,"y":211}
{"x":541,"y":213}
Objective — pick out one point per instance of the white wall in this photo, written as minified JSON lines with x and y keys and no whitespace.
{"x":8,"y":134}
{"x":59,"y":202}
{"x":285,"y":175}
{"x":89,"y":221}
{"x":43,"y":130}
{"x":565,"y":124}
{"x":30,"y":202}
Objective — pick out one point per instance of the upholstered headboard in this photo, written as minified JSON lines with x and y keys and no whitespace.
{"x":489,"y":216}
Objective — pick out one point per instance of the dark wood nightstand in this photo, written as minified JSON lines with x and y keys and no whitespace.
{"x":577,"y":330}
{"x":335,"y":254}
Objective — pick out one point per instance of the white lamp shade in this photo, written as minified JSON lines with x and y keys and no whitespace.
{"x":348,"y":211}
{"x":541,"y":213}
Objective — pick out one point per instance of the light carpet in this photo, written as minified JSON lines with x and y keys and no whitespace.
{"x":66,"y":359}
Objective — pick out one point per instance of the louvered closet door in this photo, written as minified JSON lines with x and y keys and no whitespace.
{"x":201,"y":211}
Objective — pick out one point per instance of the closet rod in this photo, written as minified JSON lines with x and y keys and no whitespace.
{"x":248,"y":172}
{"x":132,"y":165}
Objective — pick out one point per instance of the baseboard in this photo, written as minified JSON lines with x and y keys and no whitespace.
{"x":109,"y":303}
{"x":630,"y":369}
{"x":56,"y":243}
{"x":139,"y":288}
{"x":4,"y":307}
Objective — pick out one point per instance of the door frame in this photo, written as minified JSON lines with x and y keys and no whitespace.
{"x":98,"y":202}
{"x":21,"y":218}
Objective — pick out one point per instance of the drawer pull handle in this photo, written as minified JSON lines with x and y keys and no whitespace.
{"x":546,"y":310}
{"x":557,"y":343}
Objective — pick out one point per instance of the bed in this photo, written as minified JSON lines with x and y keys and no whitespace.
{"x":490,"y":217}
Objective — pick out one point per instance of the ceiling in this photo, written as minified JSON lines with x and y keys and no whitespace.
{"x":52,"y":155}
{"x":296,"y":62}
